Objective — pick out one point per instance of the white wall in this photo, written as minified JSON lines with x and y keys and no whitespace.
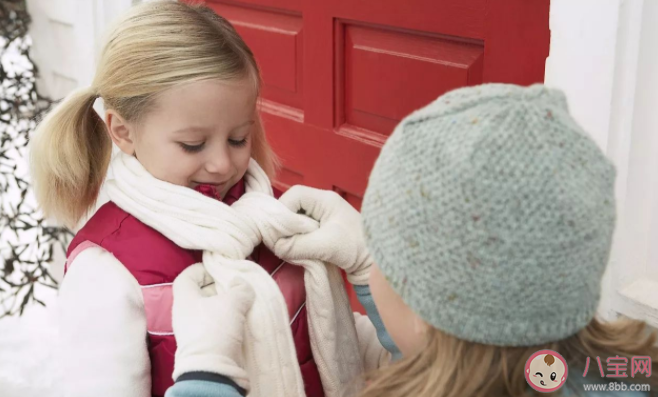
{"x":53,"y":34}
{"x":602,"y":55}
{"x":66,"y":36}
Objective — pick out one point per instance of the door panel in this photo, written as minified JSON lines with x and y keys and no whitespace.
{"x":276,"y":39}
{"x":386,"y":73}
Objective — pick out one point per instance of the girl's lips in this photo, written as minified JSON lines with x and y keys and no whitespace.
{"x":209,"y":190}
{"x":210,"y":183}
{"x":218,"y":186}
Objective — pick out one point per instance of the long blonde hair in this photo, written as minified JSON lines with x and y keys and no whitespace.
{"x":155,"y":46}
{"x":451,"y":367}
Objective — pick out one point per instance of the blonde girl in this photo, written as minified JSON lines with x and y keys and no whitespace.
{"x":489,"y":215}
{"x":180,"y":89}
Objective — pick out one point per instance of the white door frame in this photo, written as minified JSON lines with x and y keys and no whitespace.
{"x":603,"y":55}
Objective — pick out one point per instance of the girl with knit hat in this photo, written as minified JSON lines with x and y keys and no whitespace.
{"x":488,"y":221}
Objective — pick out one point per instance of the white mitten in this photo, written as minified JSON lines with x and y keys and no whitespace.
{"x":209,"y":328}
{"x":339,"y":240}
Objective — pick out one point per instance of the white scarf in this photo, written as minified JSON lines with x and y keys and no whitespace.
{"x":227,"y":235}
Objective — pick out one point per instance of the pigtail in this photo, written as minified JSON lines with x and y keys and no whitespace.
{"x":69,"y":156}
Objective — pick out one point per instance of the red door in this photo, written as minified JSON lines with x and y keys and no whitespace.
{"x":340,"y":74}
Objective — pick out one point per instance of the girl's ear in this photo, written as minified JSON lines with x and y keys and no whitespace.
{"x":121,"y":132}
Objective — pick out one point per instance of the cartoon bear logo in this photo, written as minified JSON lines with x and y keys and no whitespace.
{"x":546,"y":371}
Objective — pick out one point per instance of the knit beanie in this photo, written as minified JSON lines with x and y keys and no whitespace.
{"x":491,"y":212}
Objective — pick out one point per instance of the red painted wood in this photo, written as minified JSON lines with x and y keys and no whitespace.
{"x":340,"y":74}
{"x":373,"y":56}
{"x":458,"y":18}
{"x":517,"y":41}
{"x":277,"y":40}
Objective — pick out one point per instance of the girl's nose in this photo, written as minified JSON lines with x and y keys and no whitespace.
{"x":218,"y":162}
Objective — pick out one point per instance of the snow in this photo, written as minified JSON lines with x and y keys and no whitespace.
{"x":28,"y":366}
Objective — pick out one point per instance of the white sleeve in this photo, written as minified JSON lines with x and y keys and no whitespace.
{"x":373,"y":354}
{"x":102,"y":324}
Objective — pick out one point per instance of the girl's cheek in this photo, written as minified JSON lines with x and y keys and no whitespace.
{"x":404,"y":327}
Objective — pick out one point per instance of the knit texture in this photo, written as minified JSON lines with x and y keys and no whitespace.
{"x":491,"y":213}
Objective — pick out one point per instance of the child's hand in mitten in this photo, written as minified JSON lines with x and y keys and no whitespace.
{"x":339,"y":240}
{"x":209,"y":328}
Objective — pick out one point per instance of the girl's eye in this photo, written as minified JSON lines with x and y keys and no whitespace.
{"x":539,"y":373}
{"x":553,"y":376}
{"x":235,"y":143}
{"x":192,"y":148}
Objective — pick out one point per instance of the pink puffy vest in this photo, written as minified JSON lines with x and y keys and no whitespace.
{"x":155,"y":262}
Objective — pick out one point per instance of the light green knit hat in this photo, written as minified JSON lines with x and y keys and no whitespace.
{"x":491,"y":213}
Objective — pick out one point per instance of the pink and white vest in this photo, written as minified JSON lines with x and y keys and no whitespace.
{"x":155,"y":262}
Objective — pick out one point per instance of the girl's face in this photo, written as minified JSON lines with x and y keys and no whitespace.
{"x":406,"y":328}
{"x":196,"y":133}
